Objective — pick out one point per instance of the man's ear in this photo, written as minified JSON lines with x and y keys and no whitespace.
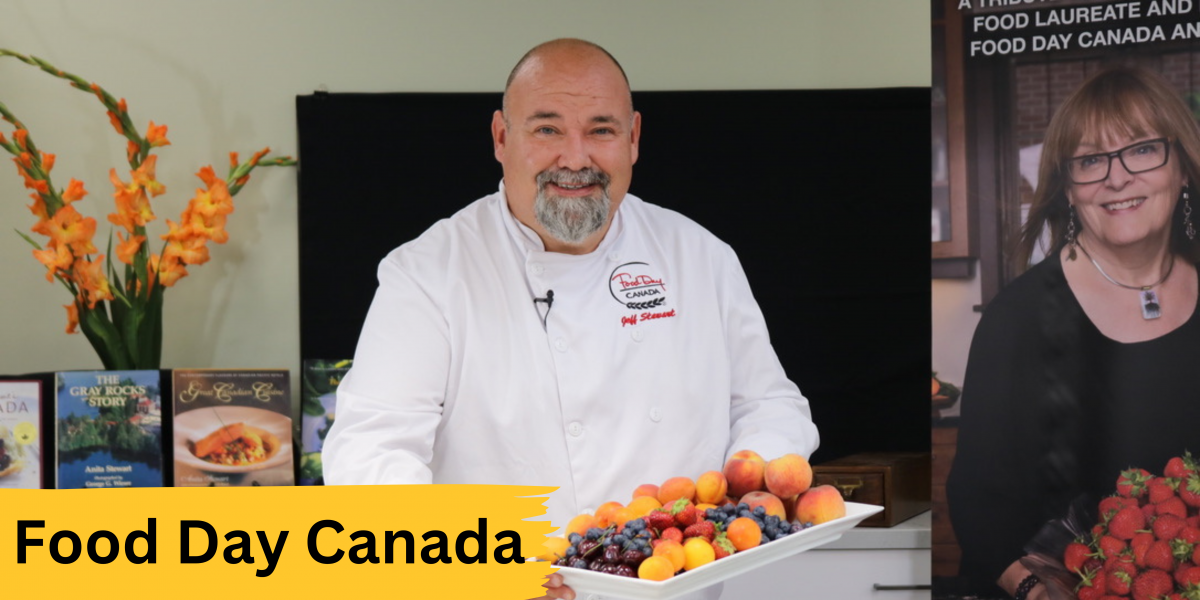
{"x":499,"y":135}
{"x":635,"y":134}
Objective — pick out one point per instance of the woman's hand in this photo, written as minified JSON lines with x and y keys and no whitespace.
{"x":556,"y":589}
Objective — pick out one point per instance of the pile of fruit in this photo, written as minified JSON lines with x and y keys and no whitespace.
{"x":684,"y":523}
{"x":1147,"y":543}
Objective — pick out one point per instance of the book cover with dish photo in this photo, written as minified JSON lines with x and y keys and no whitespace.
{"x":109,"y":429}
{"x":21,"y":434}
{"x":232,"y":427}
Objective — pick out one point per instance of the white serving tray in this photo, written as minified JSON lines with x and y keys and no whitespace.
{"x":591,"y":582}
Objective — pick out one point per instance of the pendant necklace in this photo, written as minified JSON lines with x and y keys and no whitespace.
{"x":1151,"y":308}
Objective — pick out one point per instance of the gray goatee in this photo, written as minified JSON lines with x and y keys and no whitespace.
{"x":571,"y":219}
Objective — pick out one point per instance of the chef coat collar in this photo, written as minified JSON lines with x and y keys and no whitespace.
{"x":530,"y":241}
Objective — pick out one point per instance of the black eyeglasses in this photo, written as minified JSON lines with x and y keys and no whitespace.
{"x":1136,"y":158}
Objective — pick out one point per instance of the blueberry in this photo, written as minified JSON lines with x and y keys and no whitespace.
{"x":764,"y":539}
{"x":594,"y":533}
{"x":760,"y":511}
{"x":574,"y":538}
{"x":571,"y":551}
{"x":620,"y":538}
{"x":745,"y":513}
{"x":743,"y":506}
{"x":636,"y":524}
{"x":771,"y":520}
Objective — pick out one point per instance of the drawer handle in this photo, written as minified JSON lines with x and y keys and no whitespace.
{"x":847,"y":489}
{"x":902,"y":588}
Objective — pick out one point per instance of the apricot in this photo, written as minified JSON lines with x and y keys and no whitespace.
{"x":697,"y":552}
{"x":555,"y":548}
{"x":642,"y":505}
{"x":676,"y":488}
{"x":672,"y":551}
{"x":656,"y":568}
{"x":744,"y":472}
{"x":711,"y":488}
{"x":767,"y":500}
{"x":604,"y":515}
{"x":788,"y":475}
{"x":820,"y":504}
{"x":623,"y":515}
{"x":744,"y":533}
{"x":646,"y":489}
{"x":580,"y":524}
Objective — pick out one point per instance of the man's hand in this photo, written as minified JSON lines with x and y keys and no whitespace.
{"x":556,"y":589}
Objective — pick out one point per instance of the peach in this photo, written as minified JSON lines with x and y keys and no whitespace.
{"x":606,"y":512}
{"x":820,"y":504}
{"x":744,"y":472}
{"x":672,"y":551}
{"x":580,"y":524}
{"x":744,"y":533}
{"x":646,"y":489}
{"x":656,"y":568}
{"x":697,"y":552}
{"x":642,"y":505}
{"x":767,"y":500}
{"x":554,"y":548}
{"x":711,"y":487}
{"x":676,"y":488}
{"x":788,"y":475}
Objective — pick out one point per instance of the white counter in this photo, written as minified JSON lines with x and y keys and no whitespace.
{"x":911,"y":534}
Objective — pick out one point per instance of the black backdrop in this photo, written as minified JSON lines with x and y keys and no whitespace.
{"x":823,"y":194}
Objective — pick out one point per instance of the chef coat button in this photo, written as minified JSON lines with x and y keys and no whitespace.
{"x":655,"y":414}
{"x":575,"y":428}
{"x":560,"y":345}
{"x":637,"y":334}
{"x":537,"y":268}
{"x":613,"y":256}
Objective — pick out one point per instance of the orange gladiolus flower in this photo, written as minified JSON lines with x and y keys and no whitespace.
{"x":56,"y":257}
{"x":72,"y":317}
{"x":216,"y":200}
{"x":258,"y":155}
{"x":47,"y":161}
{"x":39,"y":210}
{"x":116,"y":122}
{"x":89,"y":274}
{"x":169,"y":270}
{"x":129,"y":247}
{"x":233,"y":160}
{"x":19,"y":136}
{"x":69,"y":228}
{"x":144,"y":176}
{"x":131,"y":150}
{"x":156,"y":135}
{"x":212,"y":227}
{"x":133,"y":208}
{"x":74,"y":191}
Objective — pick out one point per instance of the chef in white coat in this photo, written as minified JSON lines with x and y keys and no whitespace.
{"x":562,"y":331}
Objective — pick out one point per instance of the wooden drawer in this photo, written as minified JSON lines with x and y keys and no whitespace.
{"x":898,"y":481}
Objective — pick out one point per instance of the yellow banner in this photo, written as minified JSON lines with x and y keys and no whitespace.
{"x":420,"y":541}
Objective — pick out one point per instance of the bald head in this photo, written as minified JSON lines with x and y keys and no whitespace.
{"x":562,"y":49}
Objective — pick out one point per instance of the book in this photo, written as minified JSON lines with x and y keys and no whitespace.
{"x":318,"y":400}
{"x":232,"y":427}
{"x":21,"y":438}
{"x":109,"y":429}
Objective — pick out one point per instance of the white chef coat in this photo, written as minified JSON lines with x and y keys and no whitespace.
{"x":653,"y":361}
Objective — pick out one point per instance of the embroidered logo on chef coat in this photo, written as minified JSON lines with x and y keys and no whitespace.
{"x":638,"y":286}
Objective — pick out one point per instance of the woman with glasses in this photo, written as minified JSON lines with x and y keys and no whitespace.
{"x":1088,"y":363}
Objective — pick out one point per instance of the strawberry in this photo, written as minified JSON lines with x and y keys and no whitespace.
{"x":1190,"y":534}
{"x":1112,"y":504}
{"x":1092,"y":586}
{"x":1110,"y":546}
{"x":1149,"y":510}
{"x":1119,"y":582}
{"x":1075,"y":555}
{"x":672,"y":533}
{"x":1159,"y":556}
{"x":1139,"y":544}
{"x":722,"y":546}
{"x":1180,"y":467}
{"x":1167,"y":527}
{"x":1189,"y":490}
{"x":1187,"y":576}
{"x":1171,"y":506}
{"x":704,"y":529}
{"x":1152,"y":584}
{"x":1132,"y":483}
{"x":685,"y":513}
{"x":1126,"y":523}
{"x":1160,"y":489}
{"x":659,"y":519}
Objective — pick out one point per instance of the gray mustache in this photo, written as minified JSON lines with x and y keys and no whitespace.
{"x":568,"y":177}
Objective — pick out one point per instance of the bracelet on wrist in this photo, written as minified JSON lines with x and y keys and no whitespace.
{"x":1026,"y":586}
